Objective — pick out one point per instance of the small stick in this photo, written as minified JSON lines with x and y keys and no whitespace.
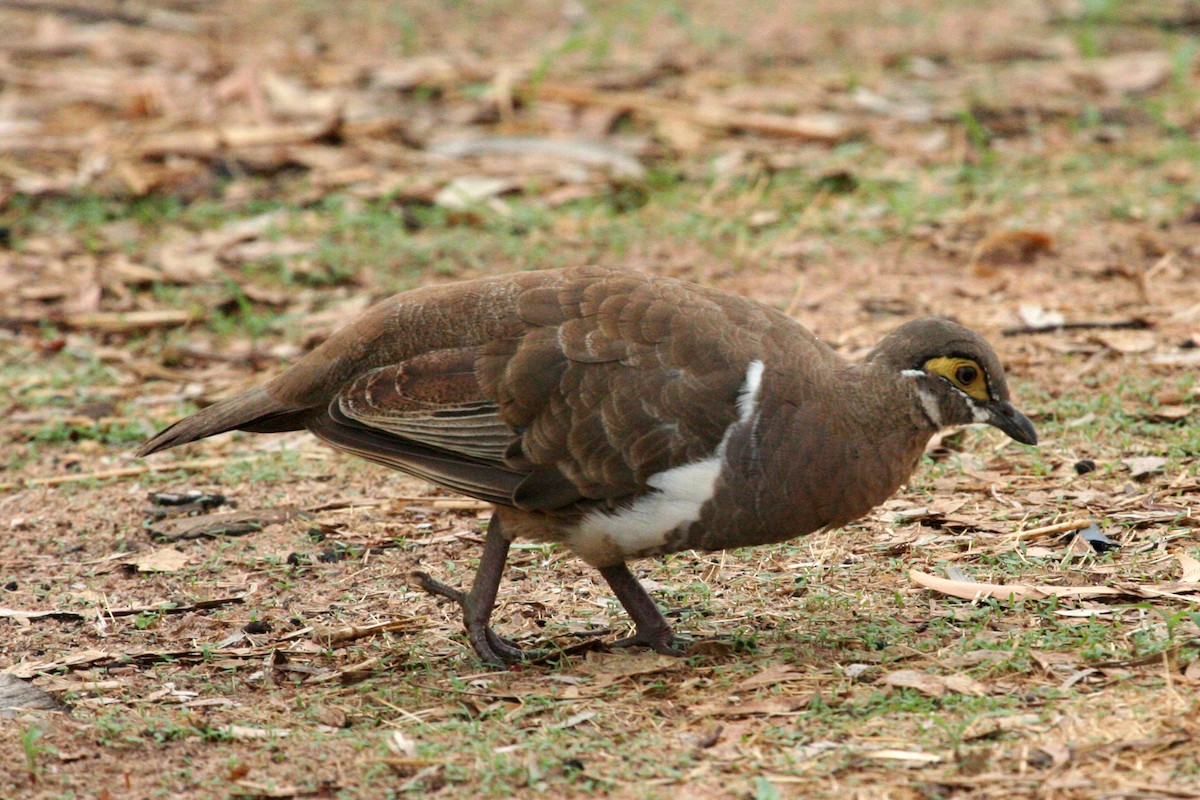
{"x":331,"y":636}
{"x":1123,"y":324}
{"x":446,"y":503}
{"x":122,"y":472}
{"x":720,"y":117}
{"x":1049,"y":530}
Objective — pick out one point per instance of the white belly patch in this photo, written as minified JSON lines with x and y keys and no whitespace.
{"x":680,"y":492}
{"x":604,"y":537}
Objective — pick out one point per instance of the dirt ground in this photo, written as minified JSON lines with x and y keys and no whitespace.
{"x":192,"y":194}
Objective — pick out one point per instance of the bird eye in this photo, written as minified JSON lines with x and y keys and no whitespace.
{"x":966,"y":375}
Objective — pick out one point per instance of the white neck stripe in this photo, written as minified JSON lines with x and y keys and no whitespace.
{"x":747,"y":397}
{"x":929,"y":404}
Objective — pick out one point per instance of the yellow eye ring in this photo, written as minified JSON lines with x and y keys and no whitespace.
{"x":963,"y":373}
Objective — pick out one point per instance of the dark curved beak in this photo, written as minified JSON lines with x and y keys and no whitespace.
{"x":1003,"y":415}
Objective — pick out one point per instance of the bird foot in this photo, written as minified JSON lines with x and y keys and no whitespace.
{"x":489,"y":645}
{"x":659,"y":640}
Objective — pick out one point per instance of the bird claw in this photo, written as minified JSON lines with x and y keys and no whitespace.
{"x":436,"y":587}
{"x":660,"y":641}
{"x":489,"y":645}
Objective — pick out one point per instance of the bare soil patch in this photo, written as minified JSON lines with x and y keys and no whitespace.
{"x":191,"y":194}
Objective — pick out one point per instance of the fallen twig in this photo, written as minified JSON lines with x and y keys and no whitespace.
{"x":214,"y":140}
{"x":86,"y":659}
{"x":126,"y":611}
{"x":106,"y":321}
{"x":332,"y":636}
{"x":224,"y":523}
{"x":819,"y":128}
{"x":1123,"y":324}
{"x":1050,"y":530}
{"x":445,"y":503}
{"x":120,"y":472}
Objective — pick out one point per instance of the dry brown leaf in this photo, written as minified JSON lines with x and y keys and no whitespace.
{"x":1006,"y":248}
{"x":1126,"y":342}
{"x":1127,"y":73}
{"x":909,"y":756}
{"x":165,"y":559}
{"x":182,"y":261}
{"x":969,"y":590}
{"x":223,"y":523}
{"x":1189,"y":567}
{"x":469,"y":191}
{"x":990,"y":726}
{"x":770,"y":676}
{"x":729,"y":737}
{"x":244,"y":733}
{"x":433,"y":70}
{"x":1144,"y":465}
{"x":263,"y":249}
{"x":1051,"y":661}
{"x":1058,"y":752}
{"x":682,"y":135}
{"x":1079,"y":546}
{"x":964,"y":684}
{"x":610,"y":668}
{"x":1035,"y":316}
{"x":552,"y":151}
{"x":1169,"y":413}
{"x":923,"y":682}
{"x":400,"y":744}
{"x":935,"y":685}
{"x":768,"y":707}
{"x":266,"y":791}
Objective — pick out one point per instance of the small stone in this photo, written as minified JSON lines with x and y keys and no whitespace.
{"x":1085,"y":466}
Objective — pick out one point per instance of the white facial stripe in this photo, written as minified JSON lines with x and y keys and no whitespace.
{"x":913,"y":373}
{"x":980,"y":413}
{"x":930,"y":405}
{"x":748,"y":395}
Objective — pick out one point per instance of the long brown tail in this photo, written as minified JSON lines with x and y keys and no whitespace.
{"x":252,"y":410}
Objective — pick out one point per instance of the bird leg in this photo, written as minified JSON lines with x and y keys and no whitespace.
{"x":652,"y":628}
{"x":477,"y":604}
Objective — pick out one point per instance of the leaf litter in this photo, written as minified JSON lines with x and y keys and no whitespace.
{"x":205,"y":649}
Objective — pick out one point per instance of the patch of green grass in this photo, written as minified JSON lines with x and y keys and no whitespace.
{"x":33,"y":751}
{"x":285,"y":465}
{"x":110,"y":432}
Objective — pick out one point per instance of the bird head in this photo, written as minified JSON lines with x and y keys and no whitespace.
{"x":955,"y":376}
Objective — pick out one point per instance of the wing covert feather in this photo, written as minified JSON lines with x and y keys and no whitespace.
{"x":604,"y":380}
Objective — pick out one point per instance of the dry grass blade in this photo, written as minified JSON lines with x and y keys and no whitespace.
{"x":969,"y":590}
{"x":124,"y":611}
{"x":1052,"y":530}
{"x":336,"y":636}
{"x":199,"y":464}
{"x":187,"y":205}
{"x":819,"y":128}
{"x":225,"y":523}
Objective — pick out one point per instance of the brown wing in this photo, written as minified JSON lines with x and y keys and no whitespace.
{"x":433,"y":400}
{"x":426,"y":416}
{"x":618,"y":378}
{"x":609,"y":379}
